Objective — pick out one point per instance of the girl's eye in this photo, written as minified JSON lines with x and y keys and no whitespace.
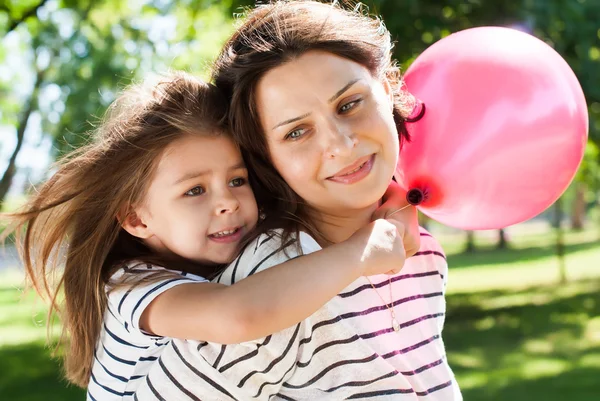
{"x":237,"y":182}
{"x":349,"y":106}
{"x":295,"y":134}
{"x":195,"y":191}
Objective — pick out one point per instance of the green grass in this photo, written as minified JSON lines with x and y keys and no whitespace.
{"x":512,"y":331}
{"x":540,"y":343}
{"x":29,"y":372}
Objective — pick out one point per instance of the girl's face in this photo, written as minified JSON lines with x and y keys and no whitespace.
{"x":330,"y":130}
{"x":199,"y":203}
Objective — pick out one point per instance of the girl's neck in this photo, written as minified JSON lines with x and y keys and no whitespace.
{"x":337,"y":227}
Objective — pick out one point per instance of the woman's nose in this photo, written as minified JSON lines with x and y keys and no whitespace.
{"x":340,"y":142}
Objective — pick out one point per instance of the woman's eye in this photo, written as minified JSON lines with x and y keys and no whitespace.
{"x":195,"y":191}
{"x":237,"y":182}
{"x":349,"y":106}
{"x":295,"y":134}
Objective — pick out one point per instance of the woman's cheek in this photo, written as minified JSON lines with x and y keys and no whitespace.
{"x":297,"y":164}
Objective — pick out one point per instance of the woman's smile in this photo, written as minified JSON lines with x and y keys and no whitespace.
{"x":354,"y":172}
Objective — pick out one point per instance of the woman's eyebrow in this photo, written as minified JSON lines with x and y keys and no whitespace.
{"x":344,"y":89}
{"x":291,"y":120}
{"x":333,"y":98}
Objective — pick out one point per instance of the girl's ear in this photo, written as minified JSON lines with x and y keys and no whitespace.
{"x":134,"y":224}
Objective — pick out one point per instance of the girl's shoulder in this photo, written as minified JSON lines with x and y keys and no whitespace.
{"x":136,"y":284}
{"x":140,"y":273}
{"x":270,"y":248}
{"x":276,"y":240}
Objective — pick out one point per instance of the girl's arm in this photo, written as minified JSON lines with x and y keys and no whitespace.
{"x":276,"y":298}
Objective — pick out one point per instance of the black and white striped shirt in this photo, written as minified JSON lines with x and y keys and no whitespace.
{"x":346,"y":350}
{"x":124,"y":353}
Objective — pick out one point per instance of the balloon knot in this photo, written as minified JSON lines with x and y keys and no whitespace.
{"x":415,"y":196}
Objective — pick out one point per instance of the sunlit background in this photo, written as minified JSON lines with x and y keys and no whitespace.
{"x":523,"y":303}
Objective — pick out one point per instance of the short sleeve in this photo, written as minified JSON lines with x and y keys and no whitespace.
{"x":128,"y":302}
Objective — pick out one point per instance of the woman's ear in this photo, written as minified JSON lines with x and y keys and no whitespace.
{"x":389,"y":91}
{"x":134,"y":224}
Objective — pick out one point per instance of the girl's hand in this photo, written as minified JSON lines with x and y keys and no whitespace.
{"x":396,"y":207}
{"x":380,"y":247}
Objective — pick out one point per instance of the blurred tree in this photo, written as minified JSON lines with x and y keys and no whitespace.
{"x":15,"y":14}
{"x":85,"y":51}
{"x":30,"y":106}
{"x":587,"y":185}
{"x":122,"y":41}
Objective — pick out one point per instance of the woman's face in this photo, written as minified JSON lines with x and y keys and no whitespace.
{"x":330,"y":130}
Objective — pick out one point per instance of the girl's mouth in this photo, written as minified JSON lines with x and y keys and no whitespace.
{"x":227,"y":236}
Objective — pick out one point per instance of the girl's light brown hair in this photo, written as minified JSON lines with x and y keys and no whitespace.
{"x":277,"y":33}
{"x":69,"y":229}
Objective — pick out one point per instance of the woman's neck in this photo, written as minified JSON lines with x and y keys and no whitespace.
{"x":337,"y":227}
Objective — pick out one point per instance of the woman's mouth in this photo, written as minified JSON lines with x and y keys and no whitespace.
{"x":355,"y":172}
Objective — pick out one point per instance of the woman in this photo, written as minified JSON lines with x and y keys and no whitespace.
{"x":316,"y":106}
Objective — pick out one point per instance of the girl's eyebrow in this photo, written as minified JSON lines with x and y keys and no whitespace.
{"x":195,"y":174}
{"x":238,"y":166}
{"x":190,"y":175}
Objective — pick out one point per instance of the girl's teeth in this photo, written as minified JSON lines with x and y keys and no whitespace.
{"x":224,"y":233}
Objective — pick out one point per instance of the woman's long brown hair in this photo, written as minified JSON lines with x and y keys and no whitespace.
{"x":68,"y":234}
{"x":276,"y":33}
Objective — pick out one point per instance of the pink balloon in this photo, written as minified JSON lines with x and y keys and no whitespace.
{"x":503,"y":133}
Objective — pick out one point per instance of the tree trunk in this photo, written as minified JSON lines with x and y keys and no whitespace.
{"x":470,"y":242}
{"x":578,"y":207}
{"x":11,"y":169}
{"x":560,"y":243}
{"x":502,"y":241}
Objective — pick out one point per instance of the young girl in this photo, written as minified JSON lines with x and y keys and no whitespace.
{"x":134,"y":222}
